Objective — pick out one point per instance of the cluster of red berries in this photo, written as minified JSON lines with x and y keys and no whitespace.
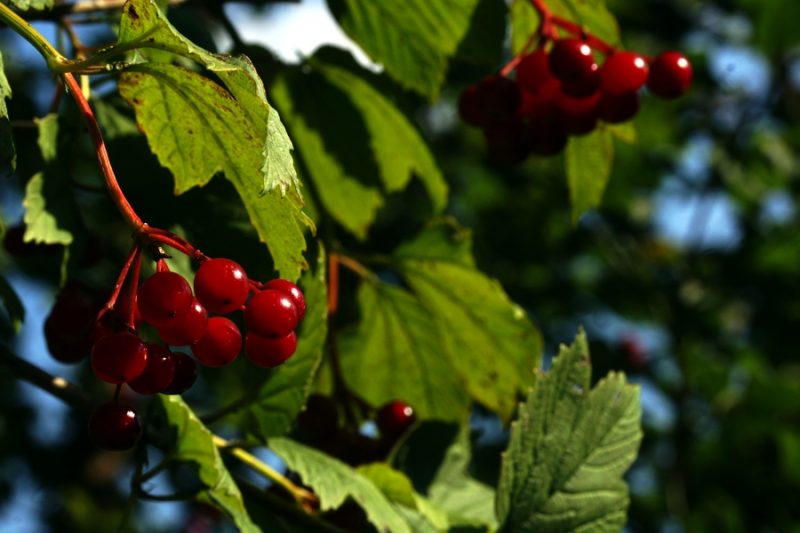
{"x":180,"y":316}
{"x":565,"y":92}
{"x":319,"y":426}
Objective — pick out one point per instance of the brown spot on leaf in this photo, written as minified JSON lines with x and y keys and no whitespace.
{"x":132,"y":12}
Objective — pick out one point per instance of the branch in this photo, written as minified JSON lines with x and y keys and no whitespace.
{"x":57,"y":386}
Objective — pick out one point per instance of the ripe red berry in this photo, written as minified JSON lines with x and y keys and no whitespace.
{"x":187,"y":327}
{"x":577,"y":116}
{"x":623,"y":72}
{"x":185,"y":374}
{"x":292,"y":291}
{"x":540,"y":105}
{"x":670,"y":75}
{"x":498,"y":97}
{"x":221,"y":343}
{"x":469,"y":108}
{"x":546,"y":137}
{"x":533,"y":72}
{"x":572,"y":62}
{"x":68,"y":327}
{"x":221,"y":285}
{"x":394,"y":418}
{"x":271,"y":313}
{"x":269,"y":351}
{"x":617,"y":108}
{"x":114,"y":427}
{"x":159,"y":372}
{"x":163,"y":296}
{"x":119,"y":357}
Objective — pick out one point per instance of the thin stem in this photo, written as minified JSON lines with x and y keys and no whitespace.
{"x":333,"y":284}
{"x":133,"y":286}
{"x":304,"y":498}
{"x":21,"y":26}
{"x":55,"y":385}
{"x":112,"y":300}
{"x":354,"y":266}
{"x":168,"y":238}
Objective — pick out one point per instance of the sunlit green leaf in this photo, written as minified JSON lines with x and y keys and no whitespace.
{"x":590,"y":14}
{"x":588,"y":161}
{"x":38,"y":5}
{"x":569,"y":447}
{"x":7,"y":151}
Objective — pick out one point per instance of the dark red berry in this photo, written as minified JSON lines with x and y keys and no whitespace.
{"x":623,"y":72}
{"x":68,"y":327}
{"x":221,"y":343}
{"x":498,"y":97}
{"x":577,"y":116}
{"x":292,"y":291}
{"x":114,"y":427}
{"x":159,"y":372}
{"x":670,"y":75}
{"x":635,"y":352}
{"x":187,"y":327}
{"x":119,"y":357}
{"x":618,"y":108}
{"x":469,"y":108}
{"x":546,"y":137}
{"x":122,"y":308}
{"x":572,"y":62}
{"x":394,"y":418}
{"x":163,"y":296}
{"x":221,"y":285}
{"x":185,"y":374}
{"x":533,"y":72}
{"x":271,"y":313}
{"x":505,"y":142}
{"x":269,"y":351}
{"x":540,"y":105}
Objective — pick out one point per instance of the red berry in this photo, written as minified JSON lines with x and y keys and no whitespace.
{"x":185,"y":374}
{"x":269,"y":351}
{"x":114,"y":427}
{"x":221,"y":343}
{"x":546,"y":137}
{"x":163,"y":296}
{"x":469,"y":108}
{"x":623,"y":72}
{"x":533,"y":72}
{"x":271,"y":313}
{"x":572,"y":62}
{"x":617,"y":108}
{"x":577,"y":116}
{"x":505,"y":142}
{"x":187,"y":327}
{"x":540,"y":105}
{"x":159,"y":372}
{"x":292,"y":291}
{"x":394,"y":418}
{"x":670,"y":75}
{"x":119,"y":357}
{"x":498,"y":97}
{"x":221,"y":285}
{"x":68,"y":327}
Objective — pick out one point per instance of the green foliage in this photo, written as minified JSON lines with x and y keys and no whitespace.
{"x":193,"y":443}
{"x":569,"y":447}
{"x":413,"y":40}
{"x":283,"y":394}
{"x":7,"y":152}
{"x":25,"y":5}
{"x":590,"y":14}
{"x":334,"y":482}
{"x":588,"y":164}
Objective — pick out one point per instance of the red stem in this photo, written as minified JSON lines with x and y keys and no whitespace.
{"x":112,"y":300}
{"x":102,"y":154}
{"x":333,"y":283}
{"x":549,"y":21}
{"x":134,"y":285}
{"x":163,"y":236}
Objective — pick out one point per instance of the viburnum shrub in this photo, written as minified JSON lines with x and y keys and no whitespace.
{"x":560,"y":89}
{"x":367,"y":383}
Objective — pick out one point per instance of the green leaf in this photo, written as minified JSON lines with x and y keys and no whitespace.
{"x":284,"y":393}
{"x":39,"y":5}
{"x":590,"y":14}
{"x":197,"y":129}
{"x":588,"y":160}
{"x":12,"y":304}
{"x":334,"y":481}
{"x":466,"y":501}
{"x":398,"y":148}
{"x":413,"y":39}
{"x":7,"y":152}
{"x":51,"y":215}
{"x":306,"y":101}
{"x":194,"y":443}
{"x":568,"y":450}
{"x":397,"y":352}
{"x":488,"y":339}
{"x":393,"y":484}
{"x":231,"y":130}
